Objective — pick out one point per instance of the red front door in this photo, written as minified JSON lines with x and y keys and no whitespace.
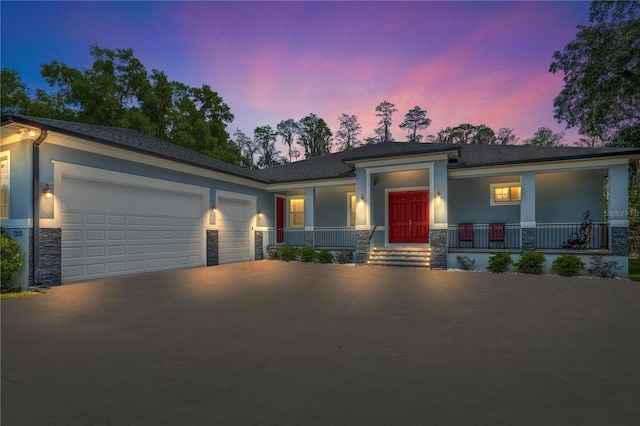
{"x":409,"y":217}
{"x":279,"y":220}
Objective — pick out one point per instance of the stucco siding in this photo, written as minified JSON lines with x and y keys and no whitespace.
{"x":565,"y":196}
{"x":332,"y":205}
{"x":19,"y":180}
{"x":470,"y":201}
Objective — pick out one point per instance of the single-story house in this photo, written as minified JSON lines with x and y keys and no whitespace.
{"x":89,"y":202}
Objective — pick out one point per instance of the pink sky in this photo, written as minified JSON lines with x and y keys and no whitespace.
{"x":477,"y":62}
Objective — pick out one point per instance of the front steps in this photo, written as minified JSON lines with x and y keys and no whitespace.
{"x":401,"y":256}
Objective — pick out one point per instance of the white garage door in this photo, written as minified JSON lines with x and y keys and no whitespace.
{"x":112,"y":229}
{"x":234,"y":219}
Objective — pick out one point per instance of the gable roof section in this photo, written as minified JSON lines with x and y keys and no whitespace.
{"x":134,"y":141}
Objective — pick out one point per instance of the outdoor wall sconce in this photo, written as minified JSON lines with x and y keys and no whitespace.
{"x":438,"y":196}
{"x":361,"y":198}
{"x":214,"y":208}
{"x":47,"y":192}
{"x":26,"y":131}
{"x":259,"y":212}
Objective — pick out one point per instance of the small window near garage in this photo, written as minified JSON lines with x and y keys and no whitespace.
{"x":351,"y":209}
{"x":4,"y":185}
{"x":505,"y":193}
{"x":296,"y":212}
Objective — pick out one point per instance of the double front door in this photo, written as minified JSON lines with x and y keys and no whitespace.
{"x":409,"y":217}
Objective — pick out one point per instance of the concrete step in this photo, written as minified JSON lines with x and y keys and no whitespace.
{"x":400,"y":256}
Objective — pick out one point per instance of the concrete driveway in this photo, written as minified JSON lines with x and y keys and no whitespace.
{"x":272,"y":343}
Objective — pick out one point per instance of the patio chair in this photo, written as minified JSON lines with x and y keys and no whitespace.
{"x":465,"y":233}
{"x":496,"y":234}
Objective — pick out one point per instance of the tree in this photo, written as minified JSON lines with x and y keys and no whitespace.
{"x":248,"y":149}
{"x":287,"y":129}
{"x":314,"y":135}
{"x":505,"y":136}
{"x":385,"y":111}
{"x":415,"y":120}
{"x":117,"y":91}
{"x":627,"y":137}
{"x":601,"y":70}
{"x":466,"y":133}
{"x":265,"y":140}
{"x":544,"y":136}
{"x":347,"y":134}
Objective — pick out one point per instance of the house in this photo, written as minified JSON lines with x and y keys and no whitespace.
{"x":89,"y":202}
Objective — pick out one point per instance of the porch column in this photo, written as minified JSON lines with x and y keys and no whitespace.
{"x":309,"y":203}
{"x":528,"y":211}
{"x":439,"y":195}
{"x":619,"y":210}
{"x":363,"y":229}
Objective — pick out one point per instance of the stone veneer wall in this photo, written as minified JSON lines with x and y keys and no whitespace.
{"x":528,"y":239}
{"x":362,"y":246}
{"x":258,"y":245}
{"x":50,"y":257}
{"x":212,"y":247}
{"x":619,"y":241}
{"x":439,"y":251}
{"x":308,"y":238}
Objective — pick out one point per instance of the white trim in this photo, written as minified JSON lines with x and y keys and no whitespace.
{"x":289,"y":186}
{"x":494,"y":203}
{"x":528,"y":224}
{"x":287,"y":210}
{"x":17,"y":223}
{"x":439,"y":225}
{"x":401,"y":160}
{"x":550,"y":166}
{"x":618,"y":223}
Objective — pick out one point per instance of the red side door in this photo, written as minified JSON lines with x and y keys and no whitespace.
{"x":409,"y":217}
{"x":279,"y":220}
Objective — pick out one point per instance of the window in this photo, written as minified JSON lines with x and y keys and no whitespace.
{"x":296,"y":212}
{"x":4,"y":185}
{"x":505,"y":193}
{"x":351,"y":209}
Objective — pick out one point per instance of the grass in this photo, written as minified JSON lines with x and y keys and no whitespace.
{"x":14,"y":295}
{"x":634,"y":269}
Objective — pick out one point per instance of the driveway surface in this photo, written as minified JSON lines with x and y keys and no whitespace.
{"x":273,"y":343}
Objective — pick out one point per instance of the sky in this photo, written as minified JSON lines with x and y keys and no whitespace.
{"x":463,"y":62}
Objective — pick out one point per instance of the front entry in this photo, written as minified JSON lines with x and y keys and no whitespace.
{"x":409,"y":217}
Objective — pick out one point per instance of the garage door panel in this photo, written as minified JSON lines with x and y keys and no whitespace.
{"x":235,"y":228}
{"x":101,"y":243}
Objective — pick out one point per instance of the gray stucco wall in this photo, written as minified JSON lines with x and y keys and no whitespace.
{"x":20,"y":179}
{"x":470,"y":201}
{"x":332,"y":205}
{"x":565,"y":196}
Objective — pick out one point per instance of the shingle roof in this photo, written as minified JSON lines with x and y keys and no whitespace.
{"x":325,"y":167}
{"x":135,"y":141}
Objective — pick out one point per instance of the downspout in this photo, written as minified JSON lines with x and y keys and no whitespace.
{"x":36,"y":194}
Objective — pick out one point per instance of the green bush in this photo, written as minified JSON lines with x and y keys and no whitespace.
{"x":603,"y":269}
{"x":466,"y":263}
{"x":10,"y":260}
{"x":567,"y":265}
{"x":307,"y":254}
{"x":272,"y":253}
{"x":344,"y":256}
{"x":531,"y":263}
{"x":325,"y":256}
{"x":287,"y":253}
{"x":500,"y":262}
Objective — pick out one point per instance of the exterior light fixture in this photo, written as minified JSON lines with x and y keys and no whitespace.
{"x":214,"y":208}
{"x":361,"y":198}
{"x":32,"y":133}
{"x":259,"y":212}
{"x":439,"y":196}
{"x":47,"y":192}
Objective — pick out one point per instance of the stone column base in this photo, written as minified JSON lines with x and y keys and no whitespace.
{"x":439,"y":250}
{"x":212,"y":247}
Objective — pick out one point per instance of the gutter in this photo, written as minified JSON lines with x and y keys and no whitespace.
{"x":36,"y":194}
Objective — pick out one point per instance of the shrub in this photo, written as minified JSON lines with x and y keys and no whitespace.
{"x":531,"y":263}
{"x":287,"y":253}
{"x":500,"y":262}
{"x":344,"y":256}
{"x":466,"y":263}
{"x":272,"y":253}
{"x":325,"y":256}
{"x":603,"y":269}
{"x":10,"y":260}
{"x":307,"y":254}
{"x":567,"y":265}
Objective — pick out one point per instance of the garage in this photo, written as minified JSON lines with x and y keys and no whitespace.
{"x":235,"y":220}
{"x":112,"y":228}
